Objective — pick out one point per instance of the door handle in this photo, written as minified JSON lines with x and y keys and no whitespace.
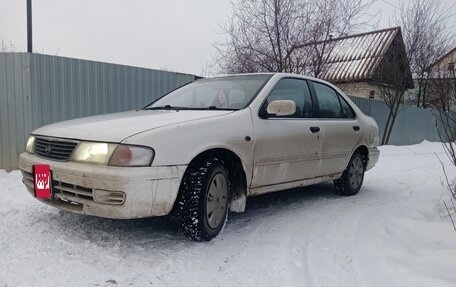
{"x":356,"y":128}
{"x":314,"y":129}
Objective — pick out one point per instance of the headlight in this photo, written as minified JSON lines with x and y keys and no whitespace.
{"x":30,"y":147}
{"x":92,"y":152}
{"x":128,"y":155}
{"x":112,"y":154}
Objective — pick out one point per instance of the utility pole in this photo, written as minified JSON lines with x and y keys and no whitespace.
{"x":29,"y":27}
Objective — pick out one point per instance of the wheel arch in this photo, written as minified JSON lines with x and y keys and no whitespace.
{"x":236,"y":173}
{"x":364,"y":151}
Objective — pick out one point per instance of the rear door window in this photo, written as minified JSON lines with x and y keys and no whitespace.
{"x":331,"y":104}
{"x":348,"y":111}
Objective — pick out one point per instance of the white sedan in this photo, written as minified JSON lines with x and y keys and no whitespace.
{"x":203,"y":149}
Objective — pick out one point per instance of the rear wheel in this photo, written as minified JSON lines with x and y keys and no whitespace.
{"x":203,"y":203}
{"x":352,"y":178}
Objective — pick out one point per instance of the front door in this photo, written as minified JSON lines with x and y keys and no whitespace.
{"x":286,"y":147}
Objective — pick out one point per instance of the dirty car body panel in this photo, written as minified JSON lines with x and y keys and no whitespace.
{"x":274,"y":152}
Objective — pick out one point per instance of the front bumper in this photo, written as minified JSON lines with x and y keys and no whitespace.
{"x":106,"y":191}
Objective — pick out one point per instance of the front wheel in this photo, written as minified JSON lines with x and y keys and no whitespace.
{"x":352,"y":178}
{"x":203,"y":203}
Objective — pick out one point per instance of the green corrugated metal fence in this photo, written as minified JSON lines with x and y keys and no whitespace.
{"x":413,"y":125}
{"x":36,"y":90}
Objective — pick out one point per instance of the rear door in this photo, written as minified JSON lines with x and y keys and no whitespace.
{"x":339,"y":127}
{"x":286,"y":147}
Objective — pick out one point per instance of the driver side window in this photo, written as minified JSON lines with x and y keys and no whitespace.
{"x":295,"y":90}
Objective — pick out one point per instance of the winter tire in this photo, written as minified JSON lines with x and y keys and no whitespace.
{"x":352,"y":178}
{"x":203,"y":204}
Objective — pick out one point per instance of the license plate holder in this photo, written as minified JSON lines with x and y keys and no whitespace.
{"x":42,"y":180}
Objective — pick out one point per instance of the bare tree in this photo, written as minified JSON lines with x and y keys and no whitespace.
{"x":260,"y":36}
{"x":427,"y":35}
{"x":399,"y":80}
{"x":6,"y":47}
{"x":282,"y":35}
{"x":393,"y":98}
{"x":331,"y":19}
{"x":442,"y":83}
{"x":442,"y":90}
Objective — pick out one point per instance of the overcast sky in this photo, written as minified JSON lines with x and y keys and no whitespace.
{"x":172,"y":34}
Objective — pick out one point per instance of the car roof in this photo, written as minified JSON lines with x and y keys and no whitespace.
{"x":281,"y":74}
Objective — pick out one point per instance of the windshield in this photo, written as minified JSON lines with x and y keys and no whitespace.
{"x":225,"y":93}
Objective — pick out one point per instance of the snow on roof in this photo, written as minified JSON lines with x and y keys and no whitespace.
{"x":356,"y":57}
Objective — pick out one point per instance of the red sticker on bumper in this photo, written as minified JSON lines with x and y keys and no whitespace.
{"x":42,"y":180}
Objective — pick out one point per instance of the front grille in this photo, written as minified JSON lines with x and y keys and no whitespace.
{"x":58,"y":187}
{"x":27,"y":179}
{"x":57,"y":149}
{"x":71,"y":190}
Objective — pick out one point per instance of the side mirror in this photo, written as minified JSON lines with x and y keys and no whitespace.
{"x":281,"y":108}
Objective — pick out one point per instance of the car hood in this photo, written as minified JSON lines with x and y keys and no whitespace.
{"x":120,"y":126}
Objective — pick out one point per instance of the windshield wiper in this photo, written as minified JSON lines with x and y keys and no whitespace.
{"x":167,"y":107}
{"x":217,"y":108}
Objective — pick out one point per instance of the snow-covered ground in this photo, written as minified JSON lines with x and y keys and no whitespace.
{"x":395,"y":232}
